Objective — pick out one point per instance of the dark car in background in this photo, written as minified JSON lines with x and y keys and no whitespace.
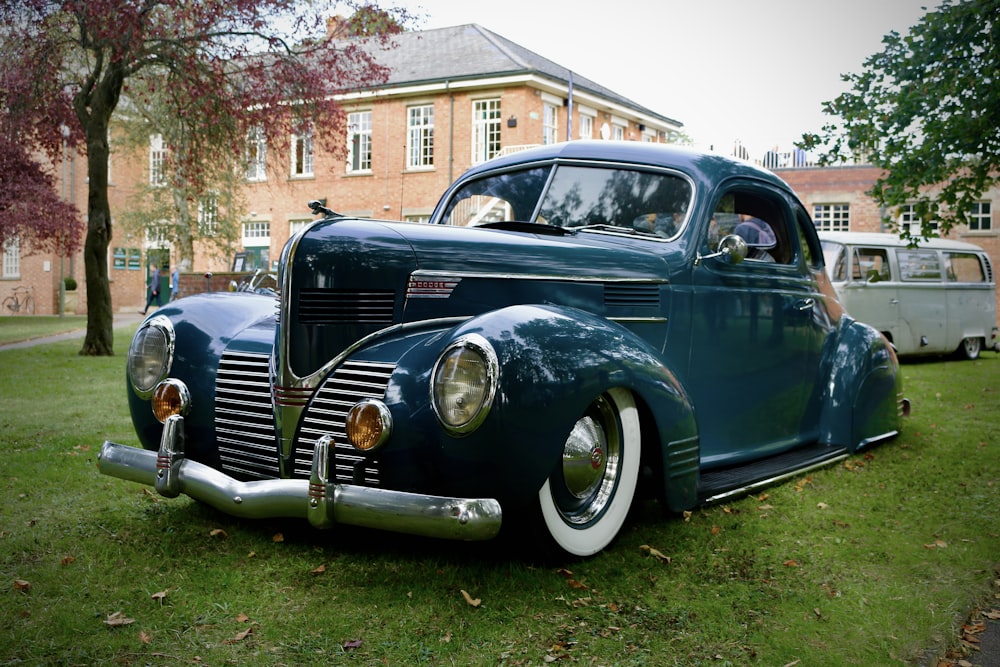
{"x":579,"y":325}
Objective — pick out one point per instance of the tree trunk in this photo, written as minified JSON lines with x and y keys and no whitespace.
{"x":94,"y":107}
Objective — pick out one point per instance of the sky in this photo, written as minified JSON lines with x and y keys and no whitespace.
{"x":757,"y":71}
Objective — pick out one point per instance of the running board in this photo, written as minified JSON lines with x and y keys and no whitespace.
{"x":717,"y":485}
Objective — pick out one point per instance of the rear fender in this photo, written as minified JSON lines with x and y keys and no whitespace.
{"x":862,"y":399}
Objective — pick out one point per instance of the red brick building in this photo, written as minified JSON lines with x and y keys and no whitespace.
{"x":837,"y":200}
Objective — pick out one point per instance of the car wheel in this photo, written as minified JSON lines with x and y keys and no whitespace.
{"x":969,"y":349}
{"x":585,"y":501}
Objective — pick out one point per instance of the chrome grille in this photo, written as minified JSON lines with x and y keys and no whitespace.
{"x":336,"y":306}
{"x":327,"y":415}
{"x":244,"y":416}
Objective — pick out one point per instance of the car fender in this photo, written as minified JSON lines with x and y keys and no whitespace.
{"x":553,"y":361}
{"x":205,"y":325}
{"x":862,"y":399}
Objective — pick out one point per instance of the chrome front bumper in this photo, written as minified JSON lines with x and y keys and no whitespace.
{"x":315,"y":499}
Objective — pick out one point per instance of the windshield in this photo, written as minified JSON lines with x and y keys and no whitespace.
{"x":574,"y":197}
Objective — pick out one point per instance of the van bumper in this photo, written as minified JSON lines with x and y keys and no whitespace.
{"x":315,"y":499}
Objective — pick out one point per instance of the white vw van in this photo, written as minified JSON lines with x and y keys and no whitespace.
{"x":937,"y":298}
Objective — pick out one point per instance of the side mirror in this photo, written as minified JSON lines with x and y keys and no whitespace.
{"x":732,"y":249}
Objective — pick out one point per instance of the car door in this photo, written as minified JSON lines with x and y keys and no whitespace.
{"x":759,"y":328}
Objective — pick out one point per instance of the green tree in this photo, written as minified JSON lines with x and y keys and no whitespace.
{"x":927,"y":111}
{"x":229,"y":65}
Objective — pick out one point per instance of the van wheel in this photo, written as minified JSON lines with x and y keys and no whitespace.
{"x":970,"y":347}
{"x":585,"y":501}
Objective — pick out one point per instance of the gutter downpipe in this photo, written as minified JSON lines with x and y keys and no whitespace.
{"x":451,"y":131}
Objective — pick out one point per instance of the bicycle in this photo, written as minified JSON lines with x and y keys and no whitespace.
{"x":20,"y":301}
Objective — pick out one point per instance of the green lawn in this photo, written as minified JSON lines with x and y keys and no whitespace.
{"x":875,"y":561}
{"x":16,"y":328}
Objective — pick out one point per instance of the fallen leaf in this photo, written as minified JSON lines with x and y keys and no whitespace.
{"x":564,"y":572}
{"x":22,"y":585}
{"x":573,"y":583}
{"x":242,"y":618}
{"x":218,"y":532}
{"x":159,"y":596}
{"x":68,"y":560}
{"x":687,"y":515}
{"x":655,"y":553}
{"x":822,"y":506}
{"x":240,"y":636}
{"x":318,"y":570}
{"x":351,"y":644}
{"x":472,"y":602}
{"x":144,"y":638}
{"x":716,"y":530}
{"x":992,"y":614}
{"x":791,"y":563}
{"x":278,"y":537}
{"x":116,"y":619}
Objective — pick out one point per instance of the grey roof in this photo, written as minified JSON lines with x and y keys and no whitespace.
{"x":471,"y":51}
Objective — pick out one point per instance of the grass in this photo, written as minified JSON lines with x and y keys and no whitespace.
{"x":14,"y":329}
{"x":875,"y":561}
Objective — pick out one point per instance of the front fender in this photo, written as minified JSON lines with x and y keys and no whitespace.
{"x":205,"y":325}
{"x":553,"y":362}
{"x":861,"y":402}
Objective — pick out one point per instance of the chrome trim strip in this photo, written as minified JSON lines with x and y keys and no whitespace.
{"x":743,"y":490}
{"x":639,"y":320}
{"x":431,"y":274}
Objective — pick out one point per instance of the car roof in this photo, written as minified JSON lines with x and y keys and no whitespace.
{"x":711,"y":166}
{"x":894,"y":241}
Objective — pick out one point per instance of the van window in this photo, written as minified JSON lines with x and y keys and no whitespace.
{"x":919,"y":265}
{"x":870,"y":264}
{"x":964,"y":267}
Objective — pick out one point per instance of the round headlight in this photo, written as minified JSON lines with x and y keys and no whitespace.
{"x":463,"y":383}
{"x":150,"y":355}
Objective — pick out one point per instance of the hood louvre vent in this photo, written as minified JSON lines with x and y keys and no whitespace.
{"x":345,"y":306}
{"x":633,"y":295}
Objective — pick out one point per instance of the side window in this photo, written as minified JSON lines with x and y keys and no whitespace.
{"x":758,"y":217}
{"x":918,"y":265}
{"x":964,"y":267}
{"x":870,"y":265}
{"x":809,"y":244}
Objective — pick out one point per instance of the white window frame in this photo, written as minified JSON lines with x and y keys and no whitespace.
{"x":296,"y":226}
{"x":618,"y":128}
{"x":485,"y":129}
{"x":208,"y":214}
{"x":256,"y":155}
{"x":908,"y":220}
{"x":981,"y":217}
{"x":832,"y":217}
{"x":303,"y":153}
{"x":12,"y":258}
{"x":157,"y":161}
{"x":256,"y":233}
{"x":550,"y":123}
{"x":420,"y":137}
{"x":588,"y":121}
{"x":359,"y":142}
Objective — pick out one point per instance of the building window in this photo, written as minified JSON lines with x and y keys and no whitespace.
{"x":423,"y":219}
{"x":485,"y":130}
{"x":908,"y":220}
{"x":420,"y":137}
{"x":157,"y":160}
{"x":586,"y":127}
{"x":302,"y":152}
{"x":256,"y":155}
{"x":550,"y":124}
{"x":208,"y":215}
{"x":618,"y":132}
{"x":12,"y":258}
{"x":359,"y":141}
{"x":832,"y":217}
{"x":981,"y":217}
{"x":255,"y":232}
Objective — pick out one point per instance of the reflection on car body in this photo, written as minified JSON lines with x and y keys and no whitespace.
{"x":531,"y":354}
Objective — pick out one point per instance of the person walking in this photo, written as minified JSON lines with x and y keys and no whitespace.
{"x":175,"y":279}
{"x":153,"y":288}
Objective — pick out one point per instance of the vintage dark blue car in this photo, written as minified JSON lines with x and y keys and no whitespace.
{"x":579,"y":325}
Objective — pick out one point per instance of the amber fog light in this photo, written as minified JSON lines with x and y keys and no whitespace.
{"x":170,"y":397}
{"x":368,"y":425}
